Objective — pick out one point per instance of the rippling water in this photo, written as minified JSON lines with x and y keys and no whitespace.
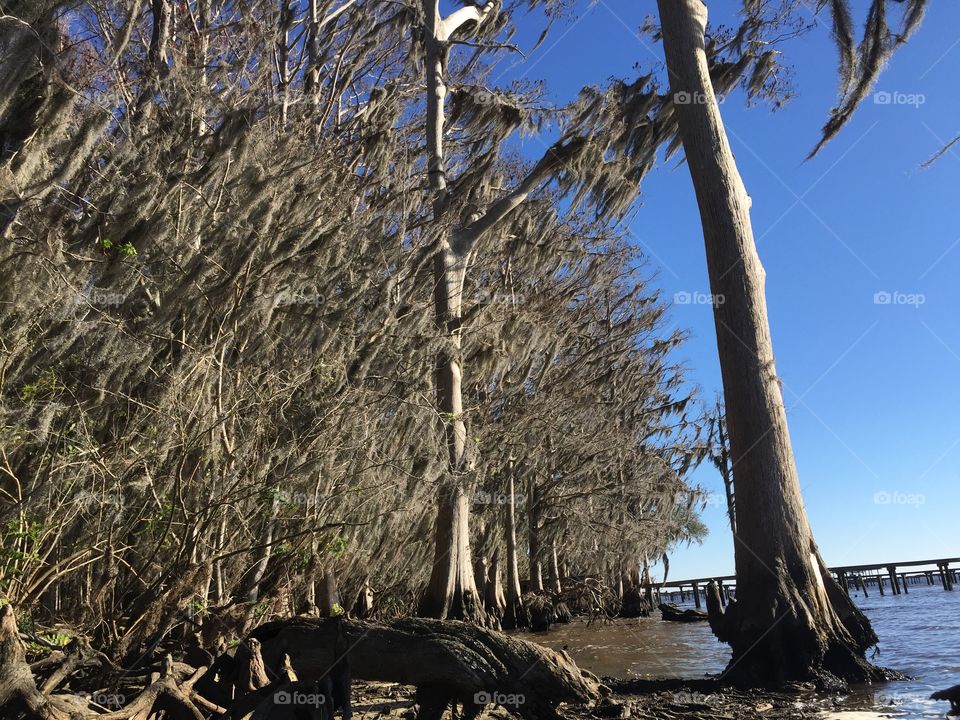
{"x":919,"y":635}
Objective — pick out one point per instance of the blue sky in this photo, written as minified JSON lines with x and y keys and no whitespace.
{"x":871,"y":388}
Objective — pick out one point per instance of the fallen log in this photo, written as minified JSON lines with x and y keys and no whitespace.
{"x":675,"y":614}
{"x":448,"y":661}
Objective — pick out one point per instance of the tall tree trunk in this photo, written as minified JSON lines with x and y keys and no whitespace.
{"x":282,"y":57}
{"x":554,"y":570}
{"x":515,"y":615}
{"x":259,"y":569}
{"x":533,"y":535}
{"x":495,"y":600}
{"x":791,"y":621}
{"x":645,"y":582}
{"x":451,"y":592}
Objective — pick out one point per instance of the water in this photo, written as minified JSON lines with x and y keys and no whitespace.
{"x":919,"y":635}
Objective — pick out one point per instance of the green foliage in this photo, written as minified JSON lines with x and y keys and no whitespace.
{"x":19,"y":544}
{"x":335,"y":546}
{"x":124,"y":249}
{"x":46,"y":386}
{"x":57,"y":639}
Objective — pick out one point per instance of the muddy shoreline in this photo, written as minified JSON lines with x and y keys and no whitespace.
{"x":659,"y":699}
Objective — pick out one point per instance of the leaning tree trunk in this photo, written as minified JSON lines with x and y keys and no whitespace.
{"x":790,"y":620}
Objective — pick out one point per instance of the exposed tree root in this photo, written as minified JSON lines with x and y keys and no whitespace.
{"x":301,"y":668}
{"x":448,"y":661}
{"x":166,"y":696}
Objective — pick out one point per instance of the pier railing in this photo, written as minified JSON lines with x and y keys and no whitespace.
{"x":860,"y":576}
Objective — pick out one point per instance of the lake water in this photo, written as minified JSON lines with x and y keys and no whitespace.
{"x":919,"y":635}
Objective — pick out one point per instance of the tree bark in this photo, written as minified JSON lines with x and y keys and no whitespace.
{"x":282,"y":56}
{"x":258,"y":570}
{"x":480,"y":580}
{"x":495,"y":600}
{"x":515,"y":615}
{"x":788,"y":626}
{"x":454,"y":659}
{"x":533,"y":536}
{"x":329,"y":600}
{"x":554,"y":570}
{"x":451,"y":591}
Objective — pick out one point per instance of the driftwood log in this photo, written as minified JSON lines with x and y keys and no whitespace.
{"x":448,"y":662}
{"x":675,"y":614}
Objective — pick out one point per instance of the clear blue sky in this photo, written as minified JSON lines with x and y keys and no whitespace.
{"x":871,"y":389}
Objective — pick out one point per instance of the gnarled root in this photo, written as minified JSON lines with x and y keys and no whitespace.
{"x":19,"y":694}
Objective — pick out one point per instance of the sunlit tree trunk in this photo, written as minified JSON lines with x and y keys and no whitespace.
{"x":495,"y":600}
{"x":791,"y":621}
{"x":282,"y":59}
{"x":328,"y":603}
{"x":451,"y":591}
{"x":554,"y":570}
{"x":533,"y":536}
{"x":515,"y":614}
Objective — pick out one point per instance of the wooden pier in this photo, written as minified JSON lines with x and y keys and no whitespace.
{"x":881,"y":576}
